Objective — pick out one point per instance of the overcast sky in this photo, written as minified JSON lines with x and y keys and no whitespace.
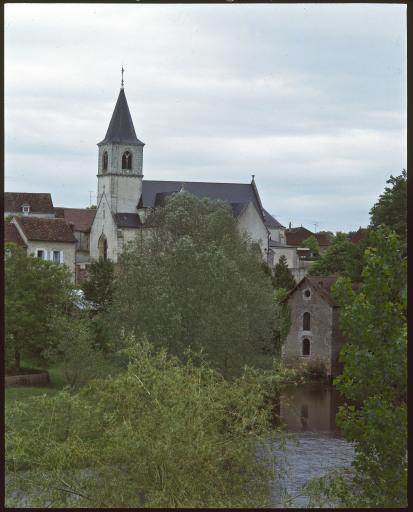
{"x":309,"y":98}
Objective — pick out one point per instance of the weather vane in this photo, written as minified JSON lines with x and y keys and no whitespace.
{"x":122,"y":70}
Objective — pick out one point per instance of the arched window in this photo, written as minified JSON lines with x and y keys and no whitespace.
{"x":306,"y":321}
{"x":306,"y":347}
{"x":105,"y":161}
{"x":127,"y":160}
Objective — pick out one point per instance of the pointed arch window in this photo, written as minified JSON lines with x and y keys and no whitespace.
{"x":127,"y":160}
{"x":306,"y":321}
{"x":105,"y":161}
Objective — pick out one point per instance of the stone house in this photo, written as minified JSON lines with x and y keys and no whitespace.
{"x":314,"y":338}
{"x":124,"y":198}
{"x":49,"y":239}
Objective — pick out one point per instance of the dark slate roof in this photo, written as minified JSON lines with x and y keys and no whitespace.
{"x":11,"y":234}
{"x":127,"y":220}
{"x":46,"y":230}
{"x":270,"y":222}
{"x":81,"y":218}
{"x":121,"y":130}
{"x":296,"y":236}
{"x":230,"y":192}
{"x":38,"y":202}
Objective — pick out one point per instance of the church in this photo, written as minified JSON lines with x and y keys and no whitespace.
{"x":124,"y":198}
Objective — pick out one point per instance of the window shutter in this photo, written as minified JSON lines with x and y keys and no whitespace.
{"x":61,"y":257}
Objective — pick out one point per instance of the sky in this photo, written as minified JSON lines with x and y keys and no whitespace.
{"x":310,"y":98}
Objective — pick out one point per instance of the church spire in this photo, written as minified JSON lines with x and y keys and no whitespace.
{"x":121,"y":129}
{"x":121,"y":83}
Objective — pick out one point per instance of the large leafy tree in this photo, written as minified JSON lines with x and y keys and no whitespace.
{"x":374,"y":378}
{"x":35,"y":291}
{"x":342,"y":257}
{"x":391,"y":207}
{"x":283,"y":277}
{"x":98,"y":287}
{"x":312,"y":244}
{"x":192,"y":280}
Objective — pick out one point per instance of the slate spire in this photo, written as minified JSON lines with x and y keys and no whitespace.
{"x":121,"y":130}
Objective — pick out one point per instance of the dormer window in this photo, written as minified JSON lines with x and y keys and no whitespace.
{"x":26,"y":209}
{"x":105,"y":161}
{"x":127,"y":160}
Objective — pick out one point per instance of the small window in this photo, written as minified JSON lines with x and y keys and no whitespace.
{"x":56,"y":256}
{"x":127,"y":160}
{"x":306,"y":321}
{"x":306,"y":347}
{"x":105,"y":161}
{"x":41,"y":254}
{"x":307,"y":293}
{"x":26,"y":209}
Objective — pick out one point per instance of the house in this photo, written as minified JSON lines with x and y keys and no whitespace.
{"x":358,"y":236}
{"x":314,"y":338}
{"x":124,"y":198}
{"x":29,"y":204}
{"x":80,"y":220}
{"x":46,"y":238}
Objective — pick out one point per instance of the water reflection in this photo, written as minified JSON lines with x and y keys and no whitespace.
{"x":310,"y":407}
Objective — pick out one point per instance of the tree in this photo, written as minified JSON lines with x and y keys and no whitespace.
{"x":312,"y":244}
{"x":98,"y":288}
{"x":34,"y":291}
{"x":342,"y":257}
{"x":162,"y":434}
{"x":374,"y":379}
{"x":282,"y":318}
{"x":283,"y":278}
{"x":192,"y":280}
{"x":391,"y":207}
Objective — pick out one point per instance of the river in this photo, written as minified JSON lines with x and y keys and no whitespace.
{"x":314,"y":446}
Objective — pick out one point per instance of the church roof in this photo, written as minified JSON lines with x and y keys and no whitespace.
{"x":38,"y":202}
{"x":155,"y":192}
{"x":270,"y":222}
{"x":121,"y":130}
{"x":127,"y":220}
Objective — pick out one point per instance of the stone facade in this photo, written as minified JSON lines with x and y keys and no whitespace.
{"x":315,"y":340}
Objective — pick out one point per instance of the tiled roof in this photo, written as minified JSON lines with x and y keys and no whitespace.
{"x":121,"y":129}
{"x":127,"y":220}
{"x":46,"y":230}
{"x":359,"y":235}
{"x":270,"y":222}
{"x":296,"y":236}
{"x":38,"y":202}
{"x":322,"y":239}
{"x":229,"y":192}
{"x":11,"y":234}
{"x":81,"y":218}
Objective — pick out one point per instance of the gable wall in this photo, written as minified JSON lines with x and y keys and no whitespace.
{"x":251,"y":223}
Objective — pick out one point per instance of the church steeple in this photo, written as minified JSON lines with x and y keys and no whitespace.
{"x":121,"y":129}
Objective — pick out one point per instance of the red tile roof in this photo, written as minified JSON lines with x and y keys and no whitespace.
{"x":47,"y":230}
{"x":11,"y":234}
{"x":38,"y":202}
{"x":322,"y":239}
{"x":296,"y":236}
{"x":358,"y":236}
{"x":81,"y":218}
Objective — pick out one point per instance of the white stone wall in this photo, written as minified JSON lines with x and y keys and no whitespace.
{"x":251,"y":223}
{"x":104,"y":223}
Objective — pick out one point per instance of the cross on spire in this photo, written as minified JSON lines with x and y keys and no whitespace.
{"x":121,"y":83}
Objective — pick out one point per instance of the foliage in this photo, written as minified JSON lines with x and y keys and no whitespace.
{"x":391,"y":207}
{"x":282,"y":318}
{"x":91,"y":207}
{"x":34,"y":291}
{"x":315,"y":370}
{"x":192,"y":280}
{"x":342,"y":257}
{"x":80,"y":360}
{"x":283,"y":277}
{"x":161,"y":434}
{"x":312,"y":244}
{"x":98,"y":288}
{"x":374,"y":378}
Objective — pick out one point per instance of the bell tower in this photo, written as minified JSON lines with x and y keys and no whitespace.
{"x":120,"y":161}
